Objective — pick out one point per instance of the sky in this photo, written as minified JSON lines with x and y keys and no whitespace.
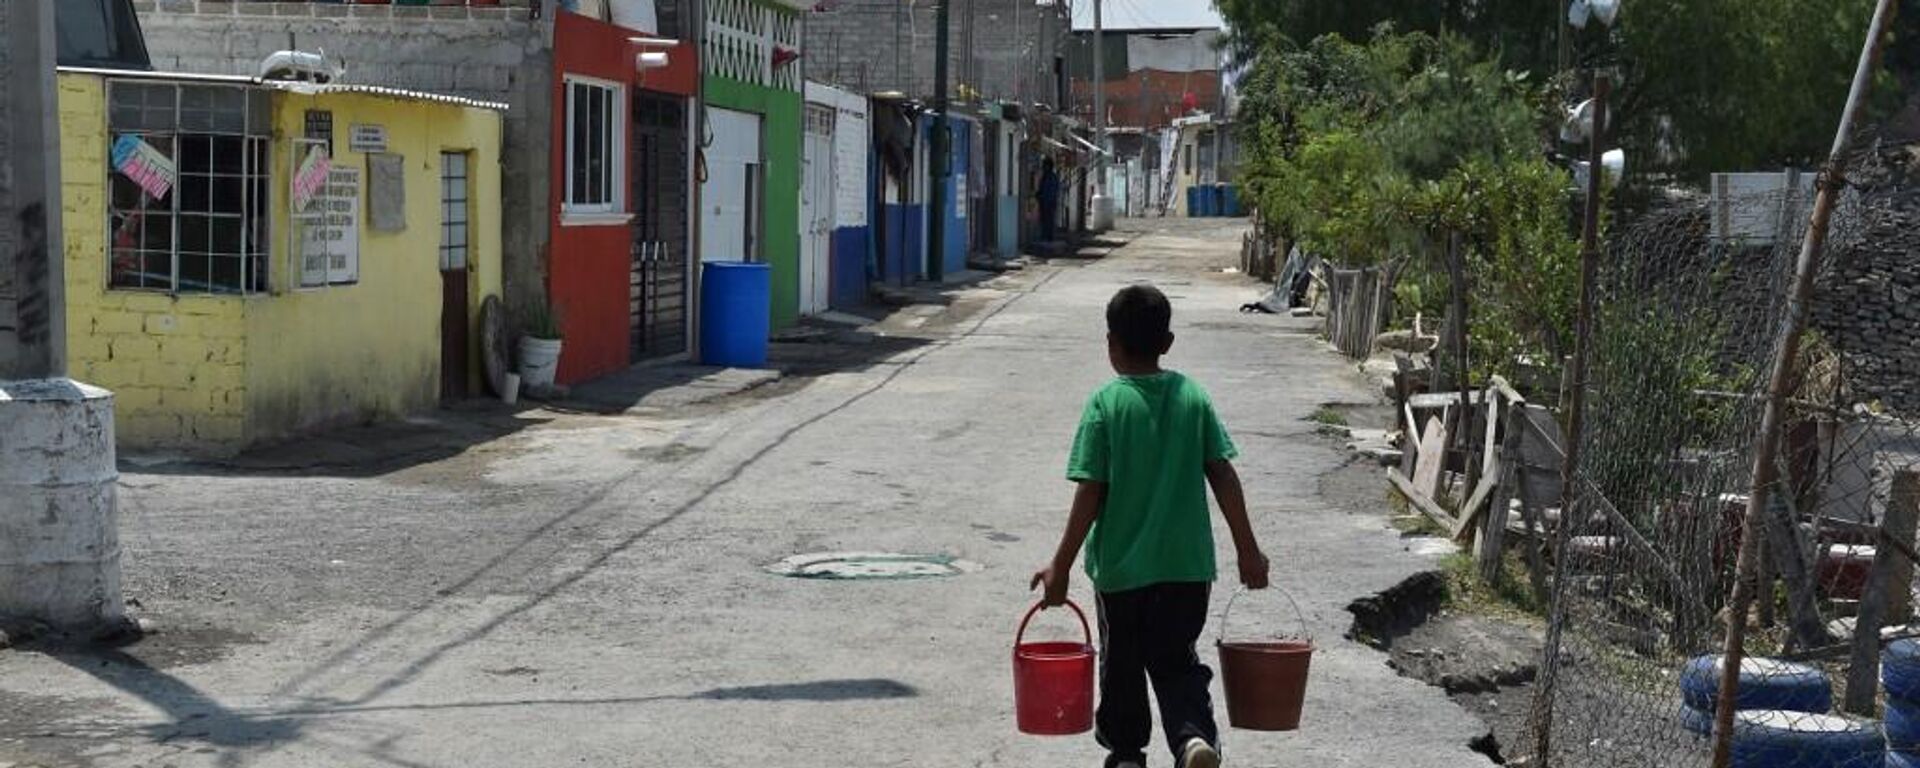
{"x":1132,"y":14}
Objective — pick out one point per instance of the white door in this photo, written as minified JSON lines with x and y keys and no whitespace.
{"x":726,"y":213}
{"x":816,"y":212}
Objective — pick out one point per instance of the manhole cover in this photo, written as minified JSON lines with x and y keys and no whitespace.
{"x":870,"y":565}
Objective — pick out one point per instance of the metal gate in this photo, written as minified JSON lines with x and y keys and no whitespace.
{"x":660,"y":249}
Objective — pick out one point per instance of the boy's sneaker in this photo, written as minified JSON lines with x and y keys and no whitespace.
{"x":1199,"y":754}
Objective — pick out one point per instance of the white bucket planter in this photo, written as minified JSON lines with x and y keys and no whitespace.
{"x":539,"y":359}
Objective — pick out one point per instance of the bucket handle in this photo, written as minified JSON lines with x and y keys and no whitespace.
{"x":1237,"y":592}
{"x":1085,"y":630}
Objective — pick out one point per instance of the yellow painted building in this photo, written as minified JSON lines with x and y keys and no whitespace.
{"x":218,"y":316}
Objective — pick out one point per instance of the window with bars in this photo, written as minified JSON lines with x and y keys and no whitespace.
{"x":820,"y":119}
{"x":207,"y":232}
{"x":593,"y":146}
{"x":453,"y":211}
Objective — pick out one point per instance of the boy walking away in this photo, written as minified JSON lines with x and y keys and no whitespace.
{"x":1148,"y":446}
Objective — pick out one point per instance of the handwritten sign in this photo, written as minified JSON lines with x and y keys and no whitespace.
{"x":310,"y":177}
{"x":367,"y":138}
{"x":330,"y":233}
{"x":135,"y":159}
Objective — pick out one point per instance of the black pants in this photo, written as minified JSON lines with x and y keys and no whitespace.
{"x":1048,"y":221}
{"x":1149,"y":633}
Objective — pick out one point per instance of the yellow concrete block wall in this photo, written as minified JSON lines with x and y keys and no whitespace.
{"x":176,"y":365}
{"x":371,"y":350}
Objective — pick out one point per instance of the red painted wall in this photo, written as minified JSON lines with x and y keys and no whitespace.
{"x":589,"y":267}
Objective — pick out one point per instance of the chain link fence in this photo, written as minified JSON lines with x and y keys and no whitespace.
{"x":1689,"y":303}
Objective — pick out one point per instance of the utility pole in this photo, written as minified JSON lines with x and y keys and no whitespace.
{"x":32,"y":321}
{"x":57,"y":471}
{"x":939,"y":152}
{"x":1102,"y":203}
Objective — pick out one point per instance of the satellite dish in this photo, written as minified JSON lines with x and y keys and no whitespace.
{"x":1605,"y":10}
{"x":1579,"y":13}
{"x":1578,"y":127}
{"x":1615,"y":161}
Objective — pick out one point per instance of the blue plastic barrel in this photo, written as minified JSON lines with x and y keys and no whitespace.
{"x":1232,"y":205}
{"x":1220,"y":200}
{"x":735,"y":313}
{"x":1195,"y":207}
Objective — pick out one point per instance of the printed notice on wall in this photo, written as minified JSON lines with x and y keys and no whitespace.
{"x":960,"y":195}
{"x":146,"y":165}
{"x":310,"y":178}
{"x":367,"y":138}
{"x":330,"y":231}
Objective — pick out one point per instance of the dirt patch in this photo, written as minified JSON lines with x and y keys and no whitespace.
{"x":1485,"y":664}
{"x":51,"y":731}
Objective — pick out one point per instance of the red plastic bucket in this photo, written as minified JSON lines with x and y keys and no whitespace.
{"x":1053,"y":681}
{"x":1266,"y":681}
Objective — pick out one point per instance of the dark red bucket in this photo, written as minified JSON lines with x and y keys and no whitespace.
{"x":1053,"y":681}
{"x":1266,"y":680}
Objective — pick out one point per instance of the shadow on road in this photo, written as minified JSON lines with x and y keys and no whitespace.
{"x":374,"y":450}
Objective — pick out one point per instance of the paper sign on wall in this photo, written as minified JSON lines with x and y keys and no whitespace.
{"x":310,"y":177}
{"x":145,"y":165}
{"x":368,"y":138}
{"x":330,"y":233}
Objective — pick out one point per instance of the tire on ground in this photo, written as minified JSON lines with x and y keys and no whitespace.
{"x":1696,"y":721}
{"x":1903,"y":725}
{"x":1765,"y":684}
{"x":1900,"y":670}
{"x":1783,"y":739}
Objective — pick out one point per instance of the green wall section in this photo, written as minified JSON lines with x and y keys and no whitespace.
{"x":780,"y":128}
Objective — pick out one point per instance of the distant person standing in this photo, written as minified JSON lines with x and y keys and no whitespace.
{"x":1049,"y":196}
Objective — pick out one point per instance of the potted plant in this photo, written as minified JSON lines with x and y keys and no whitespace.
{"x":540,"y":347}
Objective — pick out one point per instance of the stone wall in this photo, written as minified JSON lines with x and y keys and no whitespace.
{"x":1004,"y":49}
{"x":1867,"y":304}
{"x":500,"y":53}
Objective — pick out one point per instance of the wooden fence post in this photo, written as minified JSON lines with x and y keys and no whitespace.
{"x":1902,"y":518}
{"x":1885,"y":585}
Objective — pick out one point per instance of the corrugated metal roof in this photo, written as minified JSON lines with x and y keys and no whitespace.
{"x":290,"y":86}
{"x":380,"y":90}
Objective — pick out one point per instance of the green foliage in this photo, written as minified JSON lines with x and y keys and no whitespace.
{"x":1706,"y":85}
{"x":543,"y":322}
{"x":1329,"y":416}
{"x":1378,"y":154}
{"x":1523,"y":34}
{"x":1659,"y":355}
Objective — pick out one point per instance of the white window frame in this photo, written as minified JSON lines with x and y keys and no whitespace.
{"x":613,"y":211}
{"x":256,"y":278}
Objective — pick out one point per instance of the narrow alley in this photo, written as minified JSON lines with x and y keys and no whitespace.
{"x":571,"y":586}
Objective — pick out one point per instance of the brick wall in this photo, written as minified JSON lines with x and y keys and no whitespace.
{"x":176,"y":365}
{"x":1002,"y":48}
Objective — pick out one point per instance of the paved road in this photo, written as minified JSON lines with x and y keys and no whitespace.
{"x":567,"y":589}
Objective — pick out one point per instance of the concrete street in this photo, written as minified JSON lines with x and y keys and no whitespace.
{"x":580,"y":587}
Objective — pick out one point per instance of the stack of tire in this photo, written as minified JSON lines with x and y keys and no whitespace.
{"x":1900,"y":678}
{"x":1781,"y":718}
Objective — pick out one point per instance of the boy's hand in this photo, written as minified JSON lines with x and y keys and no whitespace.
{"x":1055,"y":580}
{"x":1253,"y":570}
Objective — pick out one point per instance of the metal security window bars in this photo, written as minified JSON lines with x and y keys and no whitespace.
{"x":209,"y":233}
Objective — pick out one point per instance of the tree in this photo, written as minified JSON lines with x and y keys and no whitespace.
{"x":1706,"y":86}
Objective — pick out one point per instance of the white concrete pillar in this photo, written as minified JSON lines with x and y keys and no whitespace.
{"x":59,"y":528}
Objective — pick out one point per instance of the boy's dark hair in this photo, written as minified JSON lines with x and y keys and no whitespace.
{"x":1140,"y":319}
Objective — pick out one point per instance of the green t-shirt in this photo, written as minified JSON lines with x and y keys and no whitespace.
{"x":1149,"y":439}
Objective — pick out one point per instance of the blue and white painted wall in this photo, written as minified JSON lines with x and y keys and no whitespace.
{"x":835,"y":224}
